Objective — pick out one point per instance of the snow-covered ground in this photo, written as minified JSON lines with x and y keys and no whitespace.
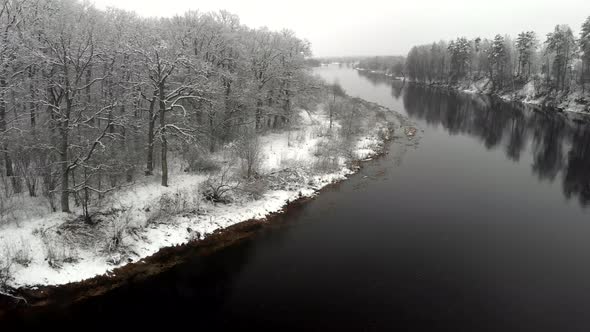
{"x":43,"y":248}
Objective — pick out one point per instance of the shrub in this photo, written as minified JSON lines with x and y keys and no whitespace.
{"x":48,"y":185}
{"x":198,"y":163}
{"x":218,"y":187}
{"x":328,"y":155}
{"x":174,"y":203}
{"x":286,"y":178}
{"x":117,"y":229}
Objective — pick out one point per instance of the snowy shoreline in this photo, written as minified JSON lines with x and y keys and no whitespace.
{"x":287,"y":157}
{"x":523,"y":96}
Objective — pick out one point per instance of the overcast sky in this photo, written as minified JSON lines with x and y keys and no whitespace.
{"x":380,"y":27}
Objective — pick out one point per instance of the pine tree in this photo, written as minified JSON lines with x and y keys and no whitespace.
{"x":460,"y":51}
{"x":497,"y":57}
{"x":526,"y":45}
{"x":562,"y":45}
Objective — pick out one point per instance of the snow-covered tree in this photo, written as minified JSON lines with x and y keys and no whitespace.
{"x":498,"y":61}
{"x":87,"y":97}
{"x":526,"y":45}
{"x":460,"y":52}
{"x":562,"y":46}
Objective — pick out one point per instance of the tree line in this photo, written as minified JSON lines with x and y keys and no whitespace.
{"x":559,"y":63}
{"x":391,"y":65}
{"x":92,"y":99}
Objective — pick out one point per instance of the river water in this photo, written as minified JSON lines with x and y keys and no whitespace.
{"x":482,"y":227}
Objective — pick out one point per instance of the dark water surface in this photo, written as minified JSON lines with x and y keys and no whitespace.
{"x":483,"y":227}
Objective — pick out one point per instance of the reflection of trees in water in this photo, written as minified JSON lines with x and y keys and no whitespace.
{"x":548,"y":134}
{"x":516,"y":135}
{"x":496,"y":123}
{"x":396,"y":88}
{"x":576,"y":181}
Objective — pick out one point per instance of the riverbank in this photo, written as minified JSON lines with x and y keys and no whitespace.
{"x":134,"y":225}
{"x":532,"y":94}
{"x":574,"y":101}
{"x":33,"y":299}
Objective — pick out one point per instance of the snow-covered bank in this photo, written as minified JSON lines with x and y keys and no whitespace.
{"x":41,"y":248}
{"x":530,"y":94}
{"x":574,"y":101}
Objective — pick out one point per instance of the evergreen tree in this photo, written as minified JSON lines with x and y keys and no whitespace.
{"x":526,"y":45}
{"x":498,"y":59}
{"x":460,"y":51}
{"x":562,"y":45}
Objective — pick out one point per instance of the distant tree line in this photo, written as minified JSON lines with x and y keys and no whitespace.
{"x":559,"y":63}
{"x":91,"y":99}
{"x":393,"y":65}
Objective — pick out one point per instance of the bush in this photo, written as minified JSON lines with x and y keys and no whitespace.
{"x":328,"y":155}
{"x":218,"y":187}
{"x":117,"y":229}
{"x":199,"y":163}
{"x":174,"y":203}
{"x":287,"y":178}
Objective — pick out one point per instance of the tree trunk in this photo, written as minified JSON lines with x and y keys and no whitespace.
{"x":150,"y":144}
{"x":163,"y":137}
{"x":258,"y":116}
{"x":212,"y":137}
{"x":65,"y":169}
{"x":584,"y":66}
{"x":32,"y":104}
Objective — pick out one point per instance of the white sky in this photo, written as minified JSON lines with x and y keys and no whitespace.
{"x":380,"y":27}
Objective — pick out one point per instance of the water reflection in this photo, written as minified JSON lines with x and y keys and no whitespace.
{"x":559,"y":145}
{"x":576,"y":181}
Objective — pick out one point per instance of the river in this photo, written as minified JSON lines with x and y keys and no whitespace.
{"x":483,"y":227}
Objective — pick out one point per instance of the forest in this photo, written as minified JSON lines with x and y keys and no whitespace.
{"x":91,"y":100}
{"x":121,"y":135}
{"x":553,"y":68}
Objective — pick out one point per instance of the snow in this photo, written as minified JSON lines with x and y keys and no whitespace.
{"x":530,"y":95}
{"x":35,"y":231}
